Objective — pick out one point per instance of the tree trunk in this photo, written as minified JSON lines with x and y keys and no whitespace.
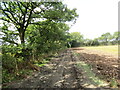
{"x":22,"y":35}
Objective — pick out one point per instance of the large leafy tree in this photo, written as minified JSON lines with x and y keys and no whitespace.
{"x":40,"y":27}
{"x":19,"y":14}
{"x":22,"y":14}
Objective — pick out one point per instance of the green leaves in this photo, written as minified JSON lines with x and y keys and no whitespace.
{"x":31,"y":29}
{"x":22,"y":14}
{"x":48,"y":37}
{"x":108,"y":38}
{"x":75,"y":39}
{"x":76,"y":36}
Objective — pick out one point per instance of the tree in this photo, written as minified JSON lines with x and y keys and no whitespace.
{"x":88,"y":42}
{"x":95,"y":42}
{"x":22,"y":14}
{"x":76,"y":39}
{"x":19,"y":14}
{"x":40,"y":27}
{"x":45,"y":39}
{"x":116,"y":37}
{"x":105,"y":38}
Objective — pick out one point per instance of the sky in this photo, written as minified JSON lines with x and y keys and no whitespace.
{"x":95,"y":17}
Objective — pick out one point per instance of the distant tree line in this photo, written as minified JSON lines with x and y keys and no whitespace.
{"x":76,"y":39}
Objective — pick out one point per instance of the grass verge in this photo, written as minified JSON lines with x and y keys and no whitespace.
{"x":93,"y":79}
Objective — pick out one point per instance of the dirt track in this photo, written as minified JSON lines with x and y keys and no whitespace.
{"x":60,"y":72}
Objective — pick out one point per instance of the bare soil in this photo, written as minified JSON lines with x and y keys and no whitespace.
{"x":62,"y":72}
{"x":104,"y":65}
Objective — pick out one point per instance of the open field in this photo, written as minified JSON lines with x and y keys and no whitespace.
{"x":111,"y":50}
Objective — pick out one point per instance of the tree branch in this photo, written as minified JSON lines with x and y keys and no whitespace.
{"x":20,"y":7}
{"x":26,"y":8}
{"x":8,"y":16}
{"x":5,"y":19}
{"x":10,"y":12}
{"x":29,"y":17}
{"x":12,"y":42}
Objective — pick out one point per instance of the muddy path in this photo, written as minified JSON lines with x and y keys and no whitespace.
{"x":59,"y":73}
{"x":66,"y":70}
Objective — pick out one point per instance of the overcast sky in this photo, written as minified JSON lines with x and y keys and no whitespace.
{"x":95,"y":16}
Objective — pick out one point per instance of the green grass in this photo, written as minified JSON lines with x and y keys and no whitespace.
{"x":40,"y":64}
{"x":113,"y":49}
{"x":93,"y":79}
{"x":90,"y":75}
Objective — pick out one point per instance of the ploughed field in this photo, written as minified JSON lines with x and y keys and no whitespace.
{"x":104,"y":61}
